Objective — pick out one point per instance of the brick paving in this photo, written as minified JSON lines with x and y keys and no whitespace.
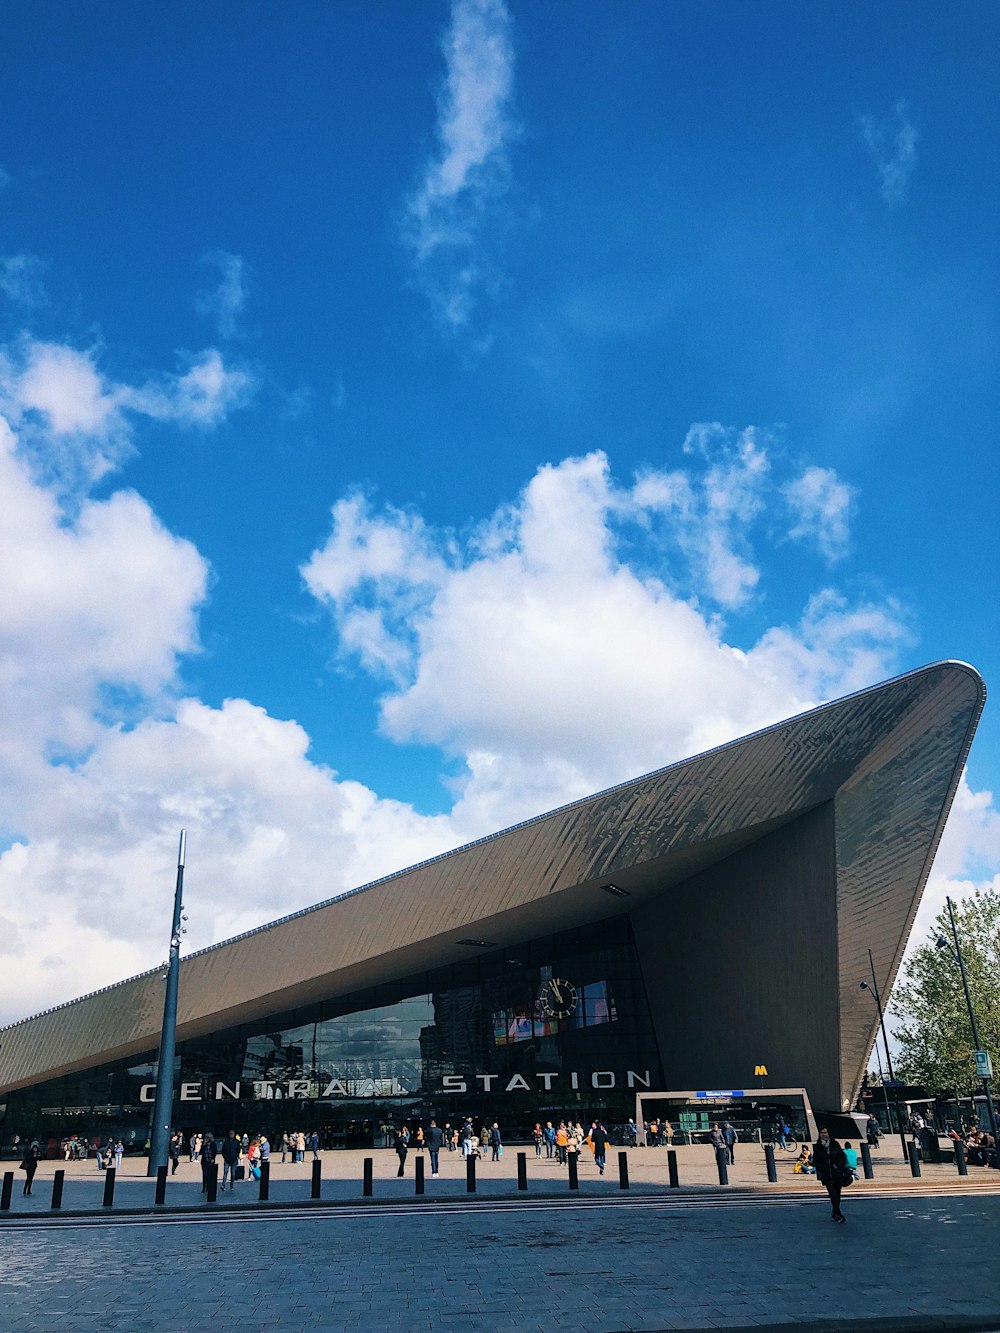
{"x":607,"y":1262}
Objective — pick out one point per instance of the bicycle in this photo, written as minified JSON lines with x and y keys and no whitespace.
{"x":785,"y":1142}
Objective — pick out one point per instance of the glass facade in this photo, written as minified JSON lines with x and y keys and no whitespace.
{"x":555,"y":1027}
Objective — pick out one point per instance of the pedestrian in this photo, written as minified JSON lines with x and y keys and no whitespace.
{"x":29,"y":1165}
{"x":496,"y":1143}
{"x":286,"y":1145}
{"x":265,"y":1150}
{"x":435,"y":1141}
{"x":300,"y":1146}
{"x":832,"y":1170}
{"x":208,"y":1163}
{"x":716,"y":1138}
{"x":731,"y":1138}
{"x":467,"y":1136}
{"x":573,"y":1142}
{"x":449,"y":1137}
{"x":174,"y":1151}
{"x":402,"y":1141}
{"x":852,"y":1159}
{"x":119,"y":1153}
{"x":231,"y":1150}
{"x":538,"y":1138}
{"x":314,"y":1145}
{"x":598,"y":1140}
{"x":632,"y":1133}
{"x":874,"y":1129}
{"x":562,"y":1140}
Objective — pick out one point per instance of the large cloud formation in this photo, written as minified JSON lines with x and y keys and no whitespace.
{"x":575,"y":637}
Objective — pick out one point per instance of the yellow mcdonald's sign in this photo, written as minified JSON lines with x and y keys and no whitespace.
{"x":760,"y":1070}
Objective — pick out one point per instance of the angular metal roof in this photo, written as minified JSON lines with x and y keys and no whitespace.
{"x":889,"y":757}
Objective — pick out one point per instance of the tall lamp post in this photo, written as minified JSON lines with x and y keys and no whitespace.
{"x":873,"y":989}
{"x":942,"y":943}
{"x":159,"y":1139}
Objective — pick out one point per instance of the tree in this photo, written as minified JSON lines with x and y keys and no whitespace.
{"x":928,"y":1005}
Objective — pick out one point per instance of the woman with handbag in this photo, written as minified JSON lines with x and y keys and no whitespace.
{"x":29,"y":1165}
{"x":832,"y":1170}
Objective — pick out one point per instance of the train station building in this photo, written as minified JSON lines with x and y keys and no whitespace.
{"x":672,"y":932}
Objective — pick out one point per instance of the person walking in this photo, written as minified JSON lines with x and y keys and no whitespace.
{"x":538,"y":1138}
{"x":174,"y":1151}
{"x":562,"y":1140}
{"x":730,"y":1138}
{"x":467,"y":1136}
{"x":832,"y":1170}
{"x":286,"y":1146}
{"x":598,"y":1139}
{"x":29,"y":1165}
{"x":550,"y":1139}
{"x":314,"y":1145}
{"x":496,"y":1143}
{"x":265,"y":1150}
{"x":231,"y":1149}
{"x":402,"y":1140}
{"x":119,"y":1153}
{"x":435,"y":1141}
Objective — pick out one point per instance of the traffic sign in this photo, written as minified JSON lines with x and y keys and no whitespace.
{"x":984,"y":1065}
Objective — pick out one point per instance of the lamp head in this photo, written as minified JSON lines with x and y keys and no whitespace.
{"x":940,"y":942}
{"x":865,"y":986}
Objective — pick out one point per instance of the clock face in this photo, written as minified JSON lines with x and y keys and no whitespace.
{"x":558,"y":997}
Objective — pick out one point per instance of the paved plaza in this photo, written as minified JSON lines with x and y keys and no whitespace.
{"x":600,"y":1262}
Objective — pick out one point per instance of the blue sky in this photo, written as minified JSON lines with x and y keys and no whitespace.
{"x":421,"y":415}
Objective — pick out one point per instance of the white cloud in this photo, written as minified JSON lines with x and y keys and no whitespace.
{"x":101,"y":763}
{"x":77,"y":424}
{"x":21,"y":279}
{"x":892,"y":146}
{"x":504,"y":647}
{"x":445,"y":216}
{"x":225,"y":302}
{"x":821,"y":506}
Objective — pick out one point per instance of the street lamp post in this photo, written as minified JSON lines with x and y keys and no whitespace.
{"x":942,"y":943}
{"x":873,"y":988}
{"x":159,"y":1138}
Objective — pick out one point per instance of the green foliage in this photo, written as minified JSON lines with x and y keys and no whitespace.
{"x":929,"y":1012}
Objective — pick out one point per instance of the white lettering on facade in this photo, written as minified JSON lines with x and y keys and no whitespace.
{"x":605,"y":1074}
{"x":574,"y":1082}
{"x":147,"y":1088}
{"x":634,"y":1078}
{"x":224,"y":1090}
{"x":333,"y":1086}
{"x":517,"y":1082}
{"x":298,"y":1087}
{"x":190,"y":1092}
{"x":487,"y":1080}
{"x":263,"y":1089}
{"x":546,"y":1081}
{"x":452,"y":1083}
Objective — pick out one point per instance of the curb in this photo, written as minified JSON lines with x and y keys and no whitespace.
{"x":890,"y":1324}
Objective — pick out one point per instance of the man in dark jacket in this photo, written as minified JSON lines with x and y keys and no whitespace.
{"x":832,"y":1170}
{"x":435,"y":1141}
{"x":495,"y":1141}
{"x":599,"y":1141}
{"x":731,"y":1139}
{"x":231,"y":1149}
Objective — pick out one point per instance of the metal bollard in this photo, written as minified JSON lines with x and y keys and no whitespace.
{"x":960,"y":1162}
{"x":574,"y":1179}
{"x":57,"y":1188}
{"x":675,"y":1180}
{"x":109,"y":1187}
{"x":914,"y":1155}
{"x":265,"y":1182}
{"x":212,"y":1182}
{"x":418,"y":1174}
{"x":720,"y":1162}
{"x":317,"y":1174}
{"x":366,"y":1182}
{"x":161,"y":1185}
{"x":772,"y":1170}
{"x":522,"y":1170}
{"x":470,"y":1174}
{"x":866,"y":1161}
{"x":6,"y":1190}
{"x":623,"y":1170}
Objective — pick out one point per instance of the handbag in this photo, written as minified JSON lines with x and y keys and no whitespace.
{"x":500,"y":1150}
{"x":846,"y":1177}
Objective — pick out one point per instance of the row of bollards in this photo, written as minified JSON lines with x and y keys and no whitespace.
{"x":211,"y":1175}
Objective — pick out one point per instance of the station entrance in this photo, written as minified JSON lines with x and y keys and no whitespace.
{"x":757,"y":1114}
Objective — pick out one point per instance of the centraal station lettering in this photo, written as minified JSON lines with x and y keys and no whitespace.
{"x":301,"y":1089}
